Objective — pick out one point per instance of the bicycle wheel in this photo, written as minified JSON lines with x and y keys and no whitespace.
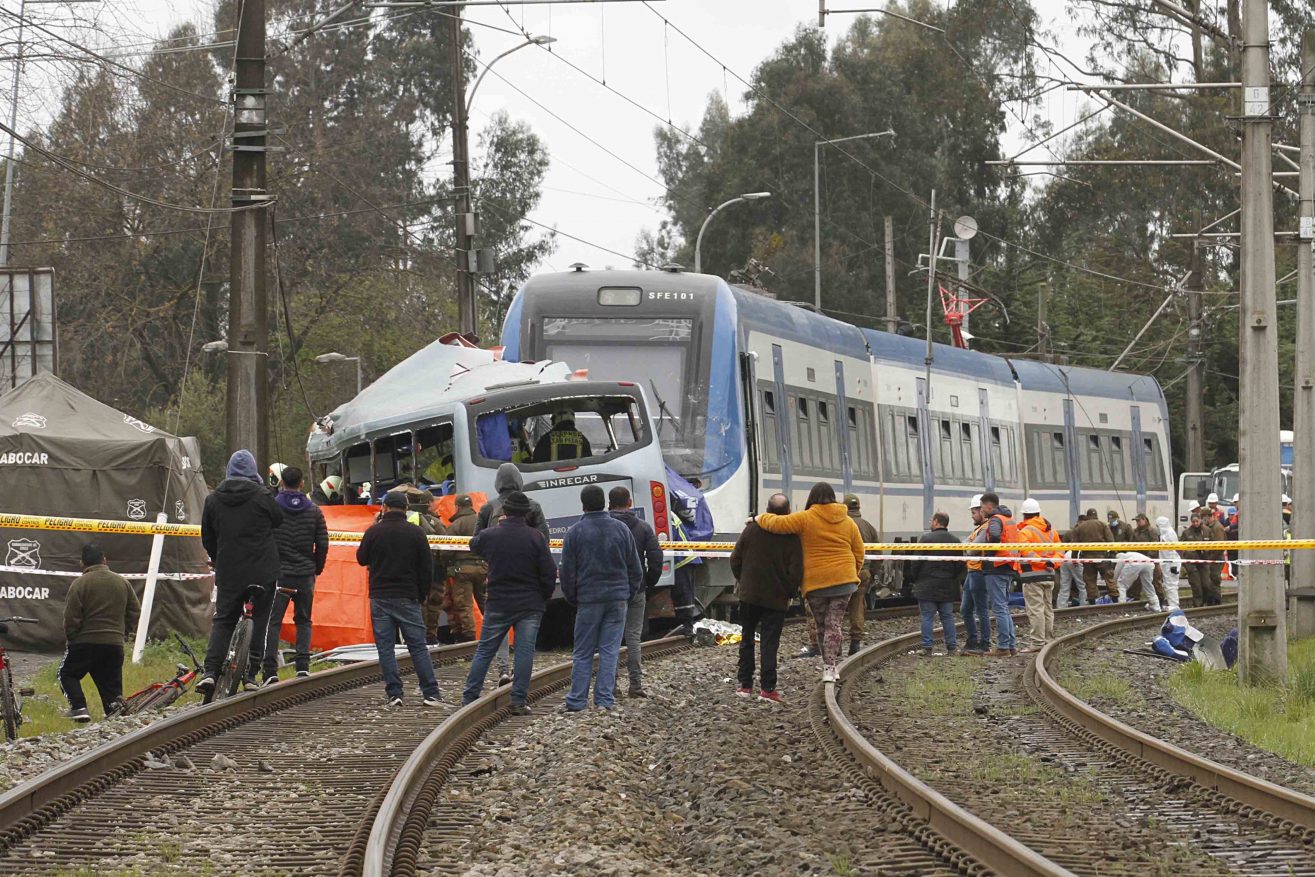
{"x":8,"y":705}
{"x":137,"y":702}
{"x":235,"y":665}
{"x":157,"y":699}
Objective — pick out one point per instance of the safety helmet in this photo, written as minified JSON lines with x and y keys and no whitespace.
{"x":275,"y":476}
{"x":976,"y":503}
{"x":331,"y":486}
{"x":1233,"y":501}
{"x":1214,"y":497}
{"x":1031,"y":507}
{"x":1286,"y":500}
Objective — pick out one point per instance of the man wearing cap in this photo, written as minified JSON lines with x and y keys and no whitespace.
{"x":858,"y":601}
{"x":976,"y":608}
{"x":401,"y":574}
{"x":1091,"y":530}
{"x":465,"y":575}
{"x":1203,"y":577}
{"x":1142,"y":531}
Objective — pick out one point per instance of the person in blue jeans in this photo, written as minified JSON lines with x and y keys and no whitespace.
{"x":401,"y":569}
{"x":600,"y":572}
{"x":936,"y":582}
{"x":999,"y":574}
{"x":521,"y":579}
{"x":975,"y":607}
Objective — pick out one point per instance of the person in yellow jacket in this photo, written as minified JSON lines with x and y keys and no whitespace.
{"x":833,"y":559}
{"x":1037,"y":570}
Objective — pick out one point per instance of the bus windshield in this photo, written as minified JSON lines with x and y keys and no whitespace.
{"x":545,"y":433}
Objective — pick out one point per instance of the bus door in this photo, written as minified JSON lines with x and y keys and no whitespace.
{"x":1193,"y":488}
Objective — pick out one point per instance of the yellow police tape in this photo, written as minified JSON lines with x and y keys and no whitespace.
{"x":149,"y":528}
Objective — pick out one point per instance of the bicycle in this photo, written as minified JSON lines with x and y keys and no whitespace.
{"x":234,"y":670}
{"x":159,"y":695}
{"x":11,"y":698}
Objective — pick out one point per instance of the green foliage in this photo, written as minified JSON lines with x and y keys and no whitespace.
{"x":1272,"y":717}
{"x":941,"y":687}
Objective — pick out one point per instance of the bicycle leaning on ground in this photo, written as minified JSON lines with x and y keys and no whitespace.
{"x":159,"y":695}
{"x":233,"y":672}
{"x":11,"y":698}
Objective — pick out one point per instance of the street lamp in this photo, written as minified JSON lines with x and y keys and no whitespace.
{"x":338,"y":357}
{"x":532,"y":41}
{"x":817,"y":211}
{"x":698,"y":242}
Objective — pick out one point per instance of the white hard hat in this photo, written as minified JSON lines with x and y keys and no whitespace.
{"x":1031,"y":507}
{"x":976,"y":503}
{"x":1287,"y":500}
{"x":331,"y":486}
{"x":1214,"y":497}
{"x":1234,"y":499}
{"x":276,"y":473}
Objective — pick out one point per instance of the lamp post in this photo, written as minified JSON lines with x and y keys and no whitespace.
{"x":698,"y":243}
{"x":338,"y":357}
{"x":817,"y":210}
{"x":532,"y":41}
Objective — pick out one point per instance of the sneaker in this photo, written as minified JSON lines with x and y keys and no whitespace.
{"x":744,"y":692}
{"x":855,"y":645}
{"x":81,"y":716}
{"x":251,"y":685}
{"x":394,"y":701}
{"x":206,"y":685}
{"x":572,"y":709}
{"x":271,"y":680}
{"x":504,"y":679}
{"x":1002,"y":653}
{"x":771,"y":697}
{"x":434,"y":700}
{"x":636,"y":691}
{"x":521,"y":709}
{"x":303,"y":674}
{"x":809,"y":652}
{"x":926,"y":653}
{"x":829,"y":674}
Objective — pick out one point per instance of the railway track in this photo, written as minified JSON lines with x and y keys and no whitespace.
{"x":1026,"y":780}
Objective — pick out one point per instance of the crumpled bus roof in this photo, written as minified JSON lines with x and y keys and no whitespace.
{"x":426,"y":384}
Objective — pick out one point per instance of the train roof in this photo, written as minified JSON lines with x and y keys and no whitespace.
{"x":427,"y":384}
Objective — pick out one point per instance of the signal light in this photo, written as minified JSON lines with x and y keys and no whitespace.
{"x":658,"y":493}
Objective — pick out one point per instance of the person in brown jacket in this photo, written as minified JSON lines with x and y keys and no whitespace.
{"x":768,"y":570}
{"x":1204,"y":577}
{"x":100,"y":612}
{"x":1142,"y":531}
{"x":466,"y":574}
{"x":1092,"y":530}
{"x":858,"y":602}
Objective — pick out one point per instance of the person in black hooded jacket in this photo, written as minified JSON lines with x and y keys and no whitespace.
{"x":303,"y":542}
{"x":507,"y":480}
{"x":237,"y":531}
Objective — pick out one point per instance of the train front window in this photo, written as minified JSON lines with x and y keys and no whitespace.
{"x":658,"y":353}
{"x":549,"y":433}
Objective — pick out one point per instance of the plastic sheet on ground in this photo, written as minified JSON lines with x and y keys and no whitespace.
{"x":710,"y":632}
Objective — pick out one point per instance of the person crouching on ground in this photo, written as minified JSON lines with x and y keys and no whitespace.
{"x":521,"y":578}
{"x":401,"y":573}
{"x":768,"y":570}
{"x":100,"y":612}
{"x":936,"y":583}
{"x":833,"y":560}
{"x":600,"y":573}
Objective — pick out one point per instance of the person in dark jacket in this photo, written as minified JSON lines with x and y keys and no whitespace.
{"x":768,"y":570}
{"x":463,"y":578}
{"x":237,"y":531}
{"x":303,"y":543}
{"x":100,"y":612}
{"x":401,"y":572}
{"x":1092,"y":530}
{"x":521,"y":579}
{"x":936,"y":583}
{"x":509,"y":479}
{"x":600,"y":572}
{"x":650,"y":553}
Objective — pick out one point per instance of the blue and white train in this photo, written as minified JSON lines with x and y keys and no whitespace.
{"x":754,"y":396}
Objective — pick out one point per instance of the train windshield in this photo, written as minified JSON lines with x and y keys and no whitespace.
{"x":659,"y":351}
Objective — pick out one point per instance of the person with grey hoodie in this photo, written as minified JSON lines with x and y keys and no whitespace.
{"x":237,"y":531}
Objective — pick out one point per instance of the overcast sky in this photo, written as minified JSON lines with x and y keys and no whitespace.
{"x":588,"y":193}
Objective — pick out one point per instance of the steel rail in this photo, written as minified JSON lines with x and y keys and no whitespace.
{"x":398,"y":828}
{"x":1244,"y":788}
{"x":28,"y":806}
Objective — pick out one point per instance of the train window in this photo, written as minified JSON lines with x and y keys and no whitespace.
{"x":812,"y":376}
{"x":912,"y":423}
{"x":853,"y":417}
{"x":995,"y":436}
{"x":1094,"y":442}
{"x":1104,"y":418}
{"x":945,"y":430}
{"x":954,"y":401}
{"x":823,"y":414}
{"x":966,"y":433}
{"x":1058,"y":439}
{"x":625,"y":296}
{"x":803,"y":408}
{"x":769,"y":402}
{"x":1116,"y":442}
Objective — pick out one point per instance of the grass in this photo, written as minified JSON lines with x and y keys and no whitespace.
{"x":1044,"y":779}
{"x":1100,"y":688}
{"x":1275,"y":718}
{"x":942,"y":688}
{"x":44,"y":712}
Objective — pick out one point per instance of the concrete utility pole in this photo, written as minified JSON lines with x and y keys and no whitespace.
{"x":247,"y":405}
{"x":467,"y":304}
{"x":1195,"y":366}
{"x":1303,"y":408}
{"x":892,"y":306}
{"x":1261,"y":604}
{"x":13,"y":126}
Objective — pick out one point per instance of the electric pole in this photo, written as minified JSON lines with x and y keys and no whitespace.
{"x":247,"y":405}
{"x":892,"y":306}
{"x":467,"y":306}
{"x":1303,"y":408}
{"x":13,"y":126}
{"x":1261,"y":604}
{"x":1042,"y":327}
{"x":1195,"y":365}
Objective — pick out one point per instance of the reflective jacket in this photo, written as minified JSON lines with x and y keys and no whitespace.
{"x":1038,"y":562}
